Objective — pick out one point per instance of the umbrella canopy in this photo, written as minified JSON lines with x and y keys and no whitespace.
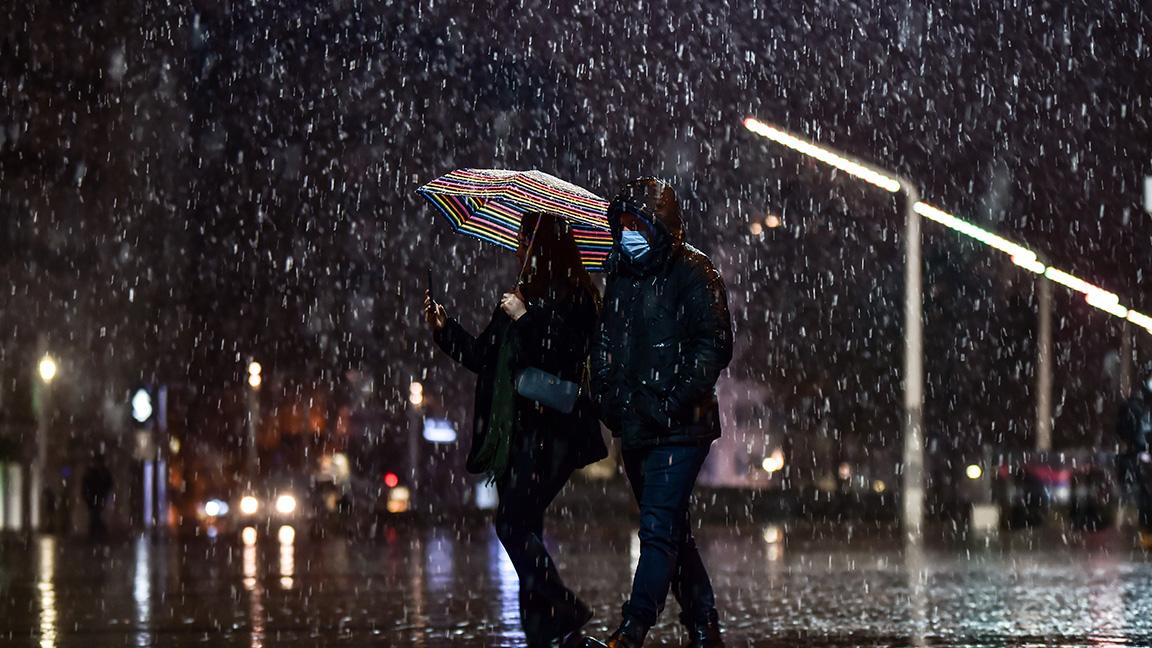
{"x":488,"y":204}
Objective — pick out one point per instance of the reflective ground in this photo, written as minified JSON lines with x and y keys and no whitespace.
{"x":441,"y":586}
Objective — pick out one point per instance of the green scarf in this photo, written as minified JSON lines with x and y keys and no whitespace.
{"x":492,"y":456}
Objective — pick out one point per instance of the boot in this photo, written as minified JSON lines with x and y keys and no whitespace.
{"x":630,"y":634}
{"x":576,"y":638}
{"x":705,"y":633}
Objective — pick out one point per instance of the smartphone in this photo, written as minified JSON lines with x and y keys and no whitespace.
{"x":431,"y":293}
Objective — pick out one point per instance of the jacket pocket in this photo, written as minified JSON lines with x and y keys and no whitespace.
{"x":661,"y":367}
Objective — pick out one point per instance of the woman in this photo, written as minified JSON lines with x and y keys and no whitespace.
{"x":529,"y":449}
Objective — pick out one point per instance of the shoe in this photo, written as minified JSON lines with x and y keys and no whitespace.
{"x":630,"y":634}
{"x":577,"y":639}
{"x":705,"y":634}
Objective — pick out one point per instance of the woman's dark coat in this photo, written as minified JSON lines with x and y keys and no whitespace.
{"x":553,"y":335}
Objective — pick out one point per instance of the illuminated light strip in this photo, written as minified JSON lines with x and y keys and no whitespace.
{"x":1021,"y":256}
{"x":1109,"y":303}
{"x":1071,"y":281}
{"x":1031,"y":265}
{"x":871,"y":176}
{"x":1140,"y":319}
{"x":1102,"y":298}
{"x":984,"y":236}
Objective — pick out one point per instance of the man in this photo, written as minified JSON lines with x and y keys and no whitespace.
{"x":96,"y":488}
{"x":665,"y":336}
{"x":1134,"y":429}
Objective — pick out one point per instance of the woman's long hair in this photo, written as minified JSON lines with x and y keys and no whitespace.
{"x":552,"y":268}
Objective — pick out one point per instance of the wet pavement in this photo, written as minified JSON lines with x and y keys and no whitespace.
{"x":443,"y":586}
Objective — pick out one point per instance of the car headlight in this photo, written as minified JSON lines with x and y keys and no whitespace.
{"x":215,"y":508}
{"x":249,"y":505}
{"x":285,"y":504}
{"x":398,"y":499}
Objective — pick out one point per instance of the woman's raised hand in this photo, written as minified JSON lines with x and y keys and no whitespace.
{"x":434,"y":314}
{"x":513,"y":304}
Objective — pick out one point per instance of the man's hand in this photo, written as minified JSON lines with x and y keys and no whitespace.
{"x":650,"y":408}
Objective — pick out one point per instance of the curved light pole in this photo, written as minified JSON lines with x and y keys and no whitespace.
{"x":913,"y":348}
{"x":912,"y":464}
{"x":912,"y":481}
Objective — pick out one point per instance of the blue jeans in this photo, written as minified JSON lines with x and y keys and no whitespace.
{"x":662,"y":480}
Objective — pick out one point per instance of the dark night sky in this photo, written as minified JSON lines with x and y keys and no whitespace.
{"x":186,"y":184}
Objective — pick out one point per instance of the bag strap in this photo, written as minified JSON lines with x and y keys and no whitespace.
{"x":586,"y":378}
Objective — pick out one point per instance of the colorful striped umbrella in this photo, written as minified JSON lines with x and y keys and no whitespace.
{"x":488,"y":203}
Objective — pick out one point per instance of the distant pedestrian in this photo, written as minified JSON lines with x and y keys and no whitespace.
{"x":1134,"y":431}
{"x":96,"y":488}
{"x":664,"y":338}
{"x":529,"y":447}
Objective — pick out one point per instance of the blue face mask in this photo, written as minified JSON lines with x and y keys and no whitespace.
{"x":634,"y":244}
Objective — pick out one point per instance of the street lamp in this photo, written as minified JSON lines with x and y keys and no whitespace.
{"x":415,"y":421}
{"x":255,"y":373}
{"x":913,"y":371}
{"x":913,"y":457}
{"x":255,"y":379}
{"x":48,"y":369}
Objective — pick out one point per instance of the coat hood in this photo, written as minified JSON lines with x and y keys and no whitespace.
{"x":655,"y":202}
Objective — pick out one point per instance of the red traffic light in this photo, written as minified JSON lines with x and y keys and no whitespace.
{"x":391,"y":480}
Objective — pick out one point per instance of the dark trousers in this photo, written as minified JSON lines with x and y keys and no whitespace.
{"x":96,"y":526}
{"x":662,"y":479}
{"x":1136,"y":480}
{"x":548,"y":609}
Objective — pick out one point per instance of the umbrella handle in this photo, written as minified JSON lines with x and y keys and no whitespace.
{"x":528,"y":253}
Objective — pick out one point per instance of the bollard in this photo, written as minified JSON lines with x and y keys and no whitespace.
{"x":984,"y":520}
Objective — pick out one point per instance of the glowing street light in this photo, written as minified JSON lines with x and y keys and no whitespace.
{"x":1096,"y":296}
{"x":255,"y":376}
{"x":47,"y":369}
{"x":1140,"y":319}
{"x":880,"y":179}
{"x":252,"y":400}
{"x":141,"y":406}
{"x":1020,"y":255}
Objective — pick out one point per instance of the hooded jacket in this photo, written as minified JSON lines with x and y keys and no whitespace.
{"x":665,"y":334}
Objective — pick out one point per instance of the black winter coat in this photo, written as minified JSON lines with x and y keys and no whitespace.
{"x":665,"y":334}
{"x":554,"y":336}
{"x":1134,"y":424}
